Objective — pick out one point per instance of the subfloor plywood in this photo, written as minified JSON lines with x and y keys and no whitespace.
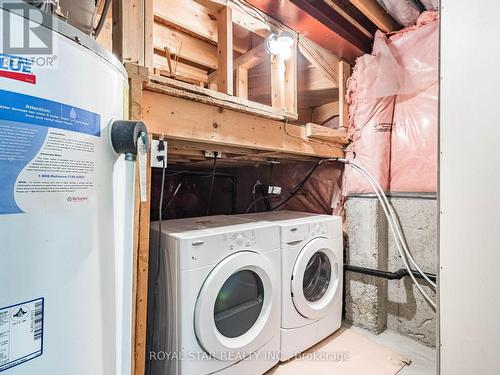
{"x":344,"y":353}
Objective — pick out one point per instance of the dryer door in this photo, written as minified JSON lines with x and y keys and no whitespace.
{"x":315,"y":279}
{"x":235,"y":314}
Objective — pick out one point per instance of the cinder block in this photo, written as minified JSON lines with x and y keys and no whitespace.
{"x":365,"y":296}
{"x":376,"y":303}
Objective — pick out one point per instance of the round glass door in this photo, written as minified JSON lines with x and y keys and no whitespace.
{"x":237,"y":310}
{"x":317,"y":276}
{"x":239,"y":303}
{"x":315,"y":279}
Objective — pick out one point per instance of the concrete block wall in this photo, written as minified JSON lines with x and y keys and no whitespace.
{"x":376,"y":303}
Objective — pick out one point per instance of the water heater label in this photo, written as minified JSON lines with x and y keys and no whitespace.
{"x":48,"y":154}
{"x":21,"y":333}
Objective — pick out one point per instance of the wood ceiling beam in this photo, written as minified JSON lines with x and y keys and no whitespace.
{"x":336,"y":22}
{"x":321,"y":58}
{"x":197,"y":122}
{"x":377,"y":15}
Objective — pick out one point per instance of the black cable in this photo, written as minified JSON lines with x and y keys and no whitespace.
{"x":158,"y":259}
{"x":212,"y":183}
{"x":102,"y":19}
{"x":294,"y":191}
{"x":299,"y":186}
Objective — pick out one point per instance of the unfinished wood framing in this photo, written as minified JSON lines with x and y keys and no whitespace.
{"x":137,"y":76}
{"x":344,"y":74}
{"x":377,"y":15}
{"x":323,"y":133}
{"x":225,"y":51}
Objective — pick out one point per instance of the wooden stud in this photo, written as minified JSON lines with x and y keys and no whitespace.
{"x":148,"y":33}
{"x":315,"y":131}
{"x":225,"y":51}
{"x":344,"y":74}
{"x":278,"y":82}
{"x":241,"y":81}
{"x":138,"y":75}
{"x":129,"y":30}
{"x":377,"y":15}
{"x":291,"y":80}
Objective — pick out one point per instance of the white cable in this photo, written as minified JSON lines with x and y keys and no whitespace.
{"x":395,"y":223}
{"x":401,"y":252}
{"x":388,"y":213}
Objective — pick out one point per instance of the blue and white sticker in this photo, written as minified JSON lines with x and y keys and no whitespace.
{"x":47,"y":154}
{"x":21,"y":333}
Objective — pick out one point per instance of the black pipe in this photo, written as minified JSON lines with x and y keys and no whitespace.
{"x":397,"y":275}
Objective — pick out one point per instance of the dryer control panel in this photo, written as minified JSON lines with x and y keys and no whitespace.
{"x":240,"y":240}
{"x":319,"y":229}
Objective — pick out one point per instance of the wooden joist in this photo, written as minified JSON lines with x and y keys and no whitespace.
{"x":377,"y":15}
{"x":199,"y":122}
{"x":323,"y":133}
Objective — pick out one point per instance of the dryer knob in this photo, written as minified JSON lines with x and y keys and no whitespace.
{"x":240,"y":239}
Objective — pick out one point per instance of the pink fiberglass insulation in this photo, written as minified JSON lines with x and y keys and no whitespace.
{"x":393,"y":100}
{"x":414,"y":133}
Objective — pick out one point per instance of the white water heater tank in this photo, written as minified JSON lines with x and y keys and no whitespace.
{"x":66,"y":202}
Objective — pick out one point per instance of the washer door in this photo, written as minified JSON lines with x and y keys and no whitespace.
{"x":234,"y":310}
{"x":315,"y":279}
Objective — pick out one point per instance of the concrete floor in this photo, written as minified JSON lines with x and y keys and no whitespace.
{"x":423,"y":358}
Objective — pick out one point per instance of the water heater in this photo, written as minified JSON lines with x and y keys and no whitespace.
{"x":66,"y":200}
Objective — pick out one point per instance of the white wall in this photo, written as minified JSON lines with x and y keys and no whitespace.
{"x":470,"y":187}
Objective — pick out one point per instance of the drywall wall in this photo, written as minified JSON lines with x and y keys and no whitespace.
{"x":376,"y":303}
{"x":469,"y":188}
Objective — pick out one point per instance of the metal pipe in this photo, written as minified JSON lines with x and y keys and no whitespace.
{"x":397,"y":275}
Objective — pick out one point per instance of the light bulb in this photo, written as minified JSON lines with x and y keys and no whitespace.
{"x":285,"y":51}
{"x":280,"y":44}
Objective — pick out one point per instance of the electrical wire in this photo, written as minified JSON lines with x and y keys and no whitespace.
{"x":212,"y":183}
{"x":102,"y":19}
{"x":298,"y":187}
{"x":294,"y":192}
{"x":393,"y":225}
{"x":254,"y":12}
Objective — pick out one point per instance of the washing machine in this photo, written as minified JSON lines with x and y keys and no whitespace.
{"x":217,"y":305}
{"x":311,"y":277}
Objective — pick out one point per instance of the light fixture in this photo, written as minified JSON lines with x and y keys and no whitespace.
{"x":280,"y":44}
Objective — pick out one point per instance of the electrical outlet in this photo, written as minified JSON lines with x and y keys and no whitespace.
{"x":274,"y":190}
{"x":157,"y":154}
{"x":211,"y":154}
